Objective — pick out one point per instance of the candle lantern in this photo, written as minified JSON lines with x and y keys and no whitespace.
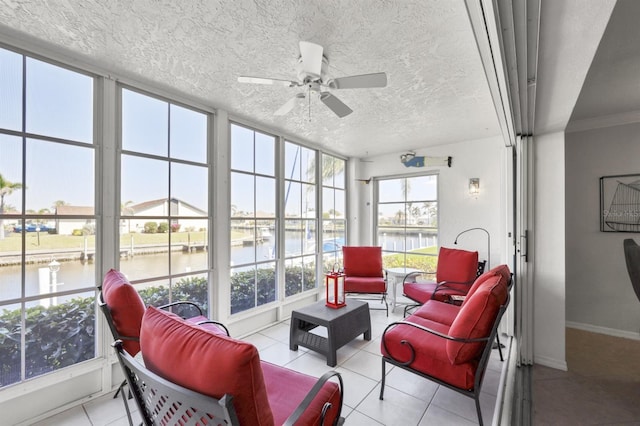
{"x":334,"y":281}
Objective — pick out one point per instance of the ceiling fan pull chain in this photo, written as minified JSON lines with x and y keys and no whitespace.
{"x":309,"y":96}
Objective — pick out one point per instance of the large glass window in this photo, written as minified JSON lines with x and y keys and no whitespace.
{"x":253,"y":219}
{"x":164,"y":218}
{"x":300,"y":218}
{"x":334,"y":216}
{"x":407,"y":221}
{"x":47,"y":217}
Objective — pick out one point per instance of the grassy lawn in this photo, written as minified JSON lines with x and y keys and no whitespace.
{"x":418,"y":261}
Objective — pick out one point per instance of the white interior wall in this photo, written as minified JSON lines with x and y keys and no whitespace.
{"x":549,"y":249}
{"x":599,"y":293}
{"x":458,"y":210}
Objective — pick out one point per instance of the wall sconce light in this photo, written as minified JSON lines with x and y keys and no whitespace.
{"x":474,"y":186}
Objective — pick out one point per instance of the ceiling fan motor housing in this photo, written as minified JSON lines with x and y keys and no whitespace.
{"x":305,"y":78}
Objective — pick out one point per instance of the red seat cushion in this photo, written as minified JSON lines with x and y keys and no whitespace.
{"x":206,"y":362}
{"x":287,"y":388}
{"x":430,"y":352}
{"x":455,"y":265}
{"x":362,"y":261}
{"x":126,"y":307}
{"x":419,"y":292}
{"x":443,"y":313}
{"x":475,"y":320}
{"x":365,"y":285}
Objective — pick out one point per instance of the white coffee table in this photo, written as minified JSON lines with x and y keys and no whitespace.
{"x":395,"y":275}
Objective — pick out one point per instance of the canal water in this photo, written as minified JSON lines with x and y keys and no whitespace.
{"x":77,"y":274}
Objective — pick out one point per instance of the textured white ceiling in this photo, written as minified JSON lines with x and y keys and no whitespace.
{"x":612,"y":85}
{"x":436,"y":93}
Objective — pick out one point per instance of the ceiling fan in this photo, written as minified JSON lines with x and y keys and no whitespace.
{"x":312,"y":74}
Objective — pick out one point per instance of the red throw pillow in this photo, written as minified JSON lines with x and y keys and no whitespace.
{"x":126,"y":307}
{"x":362,"y":261}
{"x":458,"y":266}
{"x":475,"y":320}
{"x":206,"y":362}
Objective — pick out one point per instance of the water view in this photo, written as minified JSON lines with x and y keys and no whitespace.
{"x":76,"y":274}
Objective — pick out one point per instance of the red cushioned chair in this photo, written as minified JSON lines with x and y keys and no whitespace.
{"x":194,"y":376}
{"x":447,"y":344}
{"x":123,"y":309}
{"x":445,"y":313}
{"x":364,"y":273}
{"x":455,"y":273}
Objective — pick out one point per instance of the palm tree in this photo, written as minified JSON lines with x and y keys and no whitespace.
{"x":331,"y":166}
{"x":405,"y":187}
{"x":6,"y":188}
{"x":57,"y":204}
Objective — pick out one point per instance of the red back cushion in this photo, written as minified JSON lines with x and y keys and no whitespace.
{"x":454,"y":265}
{"x":476,"y":319}
{"x":362,"y":261}
{"x":206,"y":362}
{"x":501,"y":270}
{"x":126,"y":307}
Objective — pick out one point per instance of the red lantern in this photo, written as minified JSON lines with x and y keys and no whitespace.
{"x":334,"y":281}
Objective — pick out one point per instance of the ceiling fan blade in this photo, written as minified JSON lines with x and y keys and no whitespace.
{"x":335,"y":104}
{"x":260,"y":80}
{"x":288,"y":106}
{"x":364,"y":81}
{"x":311,"y":54}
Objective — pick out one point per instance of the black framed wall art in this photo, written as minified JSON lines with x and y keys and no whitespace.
{"x":620,"y":203}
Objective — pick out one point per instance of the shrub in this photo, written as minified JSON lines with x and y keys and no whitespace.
{"x":246,"y":293}
{"x":62,"y":335}
{"x":192,"y":289}
{"x":163,"y":227}
{"x":56,"y":337}
{"x":175,"y":227}
{"x":150,"y":227}
{"x":77,"y":233}
{"x":89,"y":229}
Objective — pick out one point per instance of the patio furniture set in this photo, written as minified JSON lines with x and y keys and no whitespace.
{"x":183,"y":368}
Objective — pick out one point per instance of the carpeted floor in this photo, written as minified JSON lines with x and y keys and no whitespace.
{"x":602,"y":386}
{"x":598,"y":355}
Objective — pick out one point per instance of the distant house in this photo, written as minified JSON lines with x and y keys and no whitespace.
{"x":66,"y":226}
{"x":162,"y":207}
{"x":129,"y":221}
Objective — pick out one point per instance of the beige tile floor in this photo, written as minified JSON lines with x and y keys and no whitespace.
{"x":409,"y":399}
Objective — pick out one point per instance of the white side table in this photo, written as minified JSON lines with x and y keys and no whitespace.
{"x":395,"y":275}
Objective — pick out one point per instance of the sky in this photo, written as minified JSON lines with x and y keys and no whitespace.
{"x":59,"y":104}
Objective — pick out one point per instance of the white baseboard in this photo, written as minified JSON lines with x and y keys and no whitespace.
{"x":550,"y":362}
{"x":603,"y":330}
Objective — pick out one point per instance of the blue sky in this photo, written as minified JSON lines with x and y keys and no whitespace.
{"x":59,"y":104}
